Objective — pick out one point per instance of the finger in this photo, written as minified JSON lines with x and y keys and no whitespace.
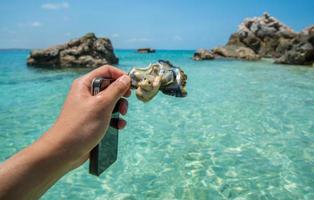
{"x":123,"y":106}
{"x":117,"y":123}
{"x":106,"y":71}
{"x":118,"y":105}
{"x":127,"y":94}
{"x":116,"y":89}
{"x":121,"y":124}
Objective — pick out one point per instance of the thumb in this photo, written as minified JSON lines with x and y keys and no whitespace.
{"x":117,"y":89}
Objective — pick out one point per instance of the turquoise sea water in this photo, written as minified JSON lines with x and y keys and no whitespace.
{"x":245,"y":130}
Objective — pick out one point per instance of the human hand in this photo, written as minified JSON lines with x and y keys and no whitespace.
{"x":85,"y":118}
{"x":66,"y":145}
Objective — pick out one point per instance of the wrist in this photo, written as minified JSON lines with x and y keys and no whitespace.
{"x":61,"y":149}
{"x":50,"y":153}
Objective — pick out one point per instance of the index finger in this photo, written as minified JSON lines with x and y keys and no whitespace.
{"x":106,"y":71}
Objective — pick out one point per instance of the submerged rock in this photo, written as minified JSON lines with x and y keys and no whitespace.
{"x":146,"y":50}
{"x":267,"y":37}
{"x":87,"y":51}
{"x":203,"y":54}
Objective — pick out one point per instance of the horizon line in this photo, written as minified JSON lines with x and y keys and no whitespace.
{"x":18,"y":48}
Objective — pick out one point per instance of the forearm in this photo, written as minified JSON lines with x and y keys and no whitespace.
{"x":29,"y":173}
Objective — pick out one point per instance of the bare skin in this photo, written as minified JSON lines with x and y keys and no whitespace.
{"x":66,"y":145}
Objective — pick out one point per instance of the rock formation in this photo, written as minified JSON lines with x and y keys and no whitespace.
{"x":301,"y":49}
{"x":232,"y":51}
{"x":146,"y":50}
{"x":87,"y":51}
{"x":267,"y":37}
{"x":203,"y":54}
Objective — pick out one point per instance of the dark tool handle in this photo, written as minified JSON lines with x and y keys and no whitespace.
{"x":105,"y":153}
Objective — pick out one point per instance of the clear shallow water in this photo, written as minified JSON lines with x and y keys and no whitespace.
{"x":245,"y":131}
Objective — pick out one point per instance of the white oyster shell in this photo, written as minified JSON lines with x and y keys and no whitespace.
{"x":162,"y":76}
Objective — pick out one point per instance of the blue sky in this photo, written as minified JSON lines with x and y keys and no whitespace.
{"x":161,"y":24}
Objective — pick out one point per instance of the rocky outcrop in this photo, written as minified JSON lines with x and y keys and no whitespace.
{"x":203,"y":54}
{"x":87,"y":51}
{"x":146,"y":50}
{"x":232,"y":51}
{"x":301,"y":51}
{"x":267,"y":37}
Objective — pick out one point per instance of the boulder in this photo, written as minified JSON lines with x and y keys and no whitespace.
{"x":203,"y":54}
{"x":232,"y":51}
{"x":301,"y":51}
{"x":87,"y":51}
{"x":146,"y":50}
{"x":262,"y":35}
{"x":267,"y":37}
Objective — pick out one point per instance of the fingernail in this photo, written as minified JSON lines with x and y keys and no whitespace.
{"x":125,"y":79}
